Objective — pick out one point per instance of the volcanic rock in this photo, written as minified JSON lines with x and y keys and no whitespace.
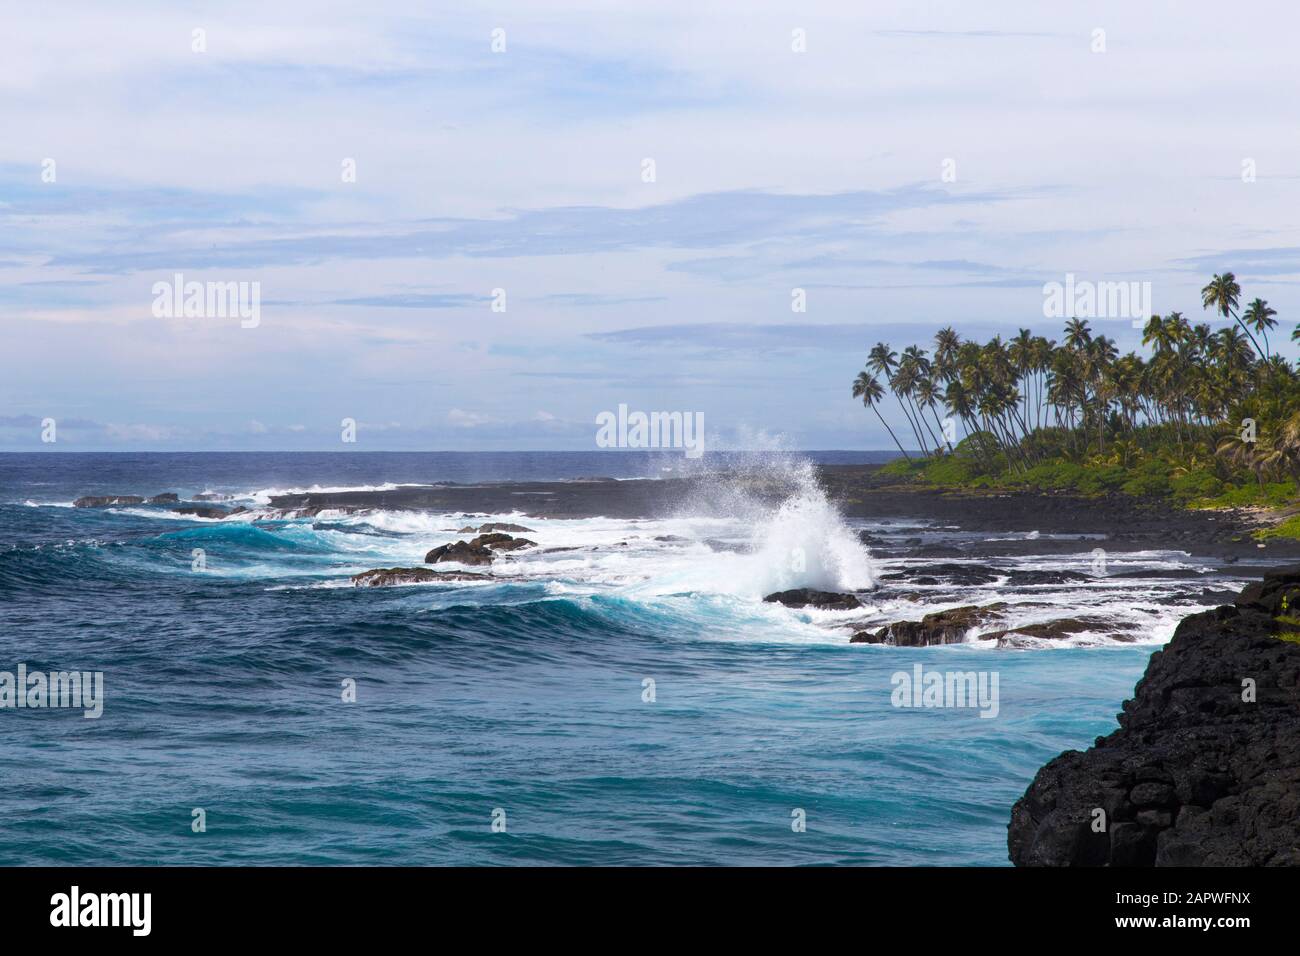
{"x":201,"y":511}
{"x":105,"y":501}
{"x":939,"y":627}
{"x":807,"y":597}
{"x":1058,"y":629}
{"x":385,"y":577}
{"x":1205,"y":767}
{"x":951,"y":572}
{"x":462,"y":553}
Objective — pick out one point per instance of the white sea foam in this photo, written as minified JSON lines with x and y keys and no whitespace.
{"x":745,"y":533}
{"x":263,"y":496}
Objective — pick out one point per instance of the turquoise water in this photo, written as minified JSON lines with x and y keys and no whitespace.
{"x":525,"y":696}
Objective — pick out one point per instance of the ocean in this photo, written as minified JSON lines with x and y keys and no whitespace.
{"x":619,"y":695}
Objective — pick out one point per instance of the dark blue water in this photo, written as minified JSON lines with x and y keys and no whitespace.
{"x":52,"y":476}
{"x":525,"y":695}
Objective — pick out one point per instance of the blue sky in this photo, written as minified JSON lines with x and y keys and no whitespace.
{"x":522,"y":170}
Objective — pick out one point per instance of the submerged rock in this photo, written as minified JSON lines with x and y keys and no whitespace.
{"x":807,"y":597}
{"x":1059,"y":629}
{"x":728,"y":547}
{"x":105,"y":501}
{"x":939,"y":627}
{"x":1205,"y":768}
{"x":314,"y":511}
{"x":514,"y":544}
{"x":386,"y":577}
{"x":1047,"y":577}
{"x":460,"y":552}
{"x":201,"y":511}
{"x":951,"y":573}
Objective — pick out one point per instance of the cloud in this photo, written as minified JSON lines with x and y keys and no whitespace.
{"x":463,"y":419}
{"x":1283,"y":260}
{"x":414,"y":300}
{"x":780,"y":337}
{"x":593,"y":300}
{"x":965,"y":34}
{"x":522,"y":170}
{"x":706,"y":221}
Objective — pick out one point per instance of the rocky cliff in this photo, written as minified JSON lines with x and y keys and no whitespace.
{"x":1205,"y":768}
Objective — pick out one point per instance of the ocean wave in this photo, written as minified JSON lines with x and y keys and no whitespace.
{"x":701,"y":570}
{"x":263,"y":496}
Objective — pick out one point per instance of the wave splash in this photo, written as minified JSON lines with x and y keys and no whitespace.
{"x":798,"y":539}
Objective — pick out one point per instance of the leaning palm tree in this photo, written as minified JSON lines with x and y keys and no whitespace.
{"x":927,"y":396}
{"x":884,"y":361}
{"x":913,"y":370}
{"x":871,"y":392}
{"x":1043,"y":349}
{"x":1222,"y":294}
{"x":1260,"y":317}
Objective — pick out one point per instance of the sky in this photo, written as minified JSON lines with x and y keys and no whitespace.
{"x":906,"y":166}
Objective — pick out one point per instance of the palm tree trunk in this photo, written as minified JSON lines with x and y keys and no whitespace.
{"x":921,"y":415}
{"x":891,"y":433}
{"x":1249,"y":336}
{"x":908,"y":415}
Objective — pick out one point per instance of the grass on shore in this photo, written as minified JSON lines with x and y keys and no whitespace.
{"x":1158,"y":477}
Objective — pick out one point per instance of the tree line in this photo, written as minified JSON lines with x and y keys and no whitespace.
{"x":1030,"y":398}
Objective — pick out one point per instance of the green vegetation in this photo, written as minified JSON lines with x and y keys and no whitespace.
{"x":1288,"y":620}
{"x":1208,"y":418}
{"x":1290,"y":528}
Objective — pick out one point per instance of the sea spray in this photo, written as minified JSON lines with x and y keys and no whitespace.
{"x":797,"y":538}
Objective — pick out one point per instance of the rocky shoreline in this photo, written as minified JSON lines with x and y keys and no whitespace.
{"x":858,"y":491}
{"x":1205,"y":768}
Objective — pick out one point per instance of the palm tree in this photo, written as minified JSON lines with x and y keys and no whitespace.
{"x":870,"y":391}
{"x":1153,"y":333}
{"x":1043,"y":348}
{"x":1222,"y":293}
{"x":927,"y":396}
{"x":884,"y":361}
{"x":1022,"y":357}
{"x":1077,"y":333}
{"x":913,"y":371}
{"x":946,"y":344}
{"x":1027,"y":399}
{"x":1259,"y":316}
{"x":1243,"y":454}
